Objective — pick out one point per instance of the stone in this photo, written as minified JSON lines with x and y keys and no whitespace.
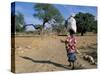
{"x":29,"y":47}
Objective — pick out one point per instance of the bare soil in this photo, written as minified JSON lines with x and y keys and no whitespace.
{"x":47,"y":53}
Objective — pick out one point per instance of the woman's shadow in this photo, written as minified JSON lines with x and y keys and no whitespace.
{"x":46,"y":62}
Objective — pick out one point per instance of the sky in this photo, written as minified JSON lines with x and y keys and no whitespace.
{"x":27,"y":9}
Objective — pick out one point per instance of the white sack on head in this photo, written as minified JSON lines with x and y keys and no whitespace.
{"x":71,"y":24}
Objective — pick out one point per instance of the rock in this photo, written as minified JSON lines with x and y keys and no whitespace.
{"x":19,"y":48}
{"x":91,"y":60}
{"x":82,"y":65}
{"x":28,"y":47}
{"x":48,"y":59}
{"x":85,"y":57}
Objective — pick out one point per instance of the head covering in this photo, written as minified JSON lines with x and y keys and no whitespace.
{"x":73,"y":15}
{"x":72,"y":23}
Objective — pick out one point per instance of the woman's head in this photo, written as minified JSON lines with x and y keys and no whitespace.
{"x":71,"y":32}
{"x":73,"y":15}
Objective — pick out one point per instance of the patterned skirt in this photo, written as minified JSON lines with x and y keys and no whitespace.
{"x":71,"y":57}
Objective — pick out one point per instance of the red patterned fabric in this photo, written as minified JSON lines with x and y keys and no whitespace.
{"x":71,"y":44}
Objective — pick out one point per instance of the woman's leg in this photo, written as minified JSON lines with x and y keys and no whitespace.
{"x":73,"y":65}
{"x":69,"y":64}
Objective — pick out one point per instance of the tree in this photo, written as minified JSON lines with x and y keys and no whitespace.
{"x":84,"y":22}
{"x":38,"y":27}
{"x":19,"y":22}
{"x":46,"y":13}
{"x":93,"y":27}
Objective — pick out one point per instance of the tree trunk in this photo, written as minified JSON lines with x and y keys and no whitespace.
{"x":82,"y":33}
{"x":43,"y":24}
{"x":42,"y":29}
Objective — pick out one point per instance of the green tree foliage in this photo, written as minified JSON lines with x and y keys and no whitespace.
{"x":19,"y":22}
{"x":93,"y":28}
{"x":46,"y":13}
{"x":85,"y":22}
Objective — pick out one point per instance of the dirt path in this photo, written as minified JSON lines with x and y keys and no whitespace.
{"x":36,"y":54}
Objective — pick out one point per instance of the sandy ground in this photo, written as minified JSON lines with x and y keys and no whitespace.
{"x":36,"y":54}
